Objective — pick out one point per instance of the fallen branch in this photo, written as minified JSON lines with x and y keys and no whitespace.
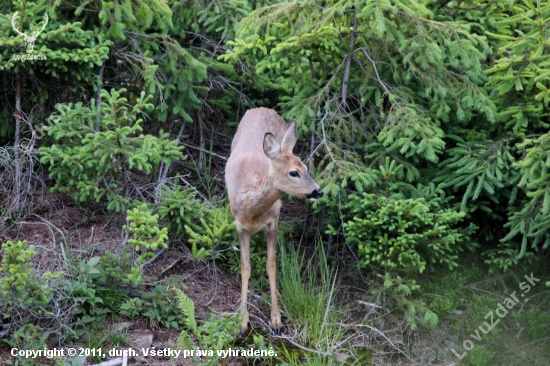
{"x":160,"y":252}
{"x":170,"y":266}
{"x":370,"y":304}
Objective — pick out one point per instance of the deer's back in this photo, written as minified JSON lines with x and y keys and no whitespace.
{"x":252,"y":129}
{"x":248,"y":164}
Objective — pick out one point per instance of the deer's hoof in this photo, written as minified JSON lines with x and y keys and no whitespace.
{"x":277,"y":331}
{"x":243,"y":333}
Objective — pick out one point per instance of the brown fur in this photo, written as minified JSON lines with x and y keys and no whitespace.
{"x":255,"y":185}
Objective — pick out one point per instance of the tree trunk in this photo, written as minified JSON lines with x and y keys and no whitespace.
{"x":348,"y":61}
{"x":16,"y":147}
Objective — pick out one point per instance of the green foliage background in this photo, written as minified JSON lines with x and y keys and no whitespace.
{"x":426,"y":122}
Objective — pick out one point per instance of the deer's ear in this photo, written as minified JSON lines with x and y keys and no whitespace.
{"x":289,"y":139}
{"x":272,"y":148}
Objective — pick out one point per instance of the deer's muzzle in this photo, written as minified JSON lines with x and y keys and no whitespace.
{"x":315,"y":195}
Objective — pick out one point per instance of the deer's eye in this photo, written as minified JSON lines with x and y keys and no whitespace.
{"x":294,"y":174}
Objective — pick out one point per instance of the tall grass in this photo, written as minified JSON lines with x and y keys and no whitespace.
{"x":308,"y":287}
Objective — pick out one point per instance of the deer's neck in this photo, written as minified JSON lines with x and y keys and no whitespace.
{"x":265,"y":196}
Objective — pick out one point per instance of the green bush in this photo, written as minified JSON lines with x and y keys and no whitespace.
{"x":23,"y":294}
{"x":143,"y":225}
{"x":404,"y":229}
{"x":480,"y":356}
{"x":532,"y":221}
{"x":98,"y":149}
{"x":214,"y":236}
{"x":105,"y":286}
{"x":444,"y":292}
{"x":179,"y":208}
{"x":536,"y":321}
{"x":405,"y":234}
{"x":402,"y":293}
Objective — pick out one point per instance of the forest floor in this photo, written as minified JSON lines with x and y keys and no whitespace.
{"x":60,"y":222}
{"x":217,"y":290}
{"x":88,"y":235}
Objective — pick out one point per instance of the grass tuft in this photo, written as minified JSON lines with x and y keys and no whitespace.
{"x":308,"y":288}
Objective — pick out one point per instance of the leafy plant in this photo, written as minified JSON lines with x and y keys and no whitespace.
{"x":161,"y":307}
{"x":101,"y":290}
{"x":213,"y":334}
{"x":132,"y":307}
{"x":29,"y":337}
{"x":100,"y":286}
{"x":91,"y":309}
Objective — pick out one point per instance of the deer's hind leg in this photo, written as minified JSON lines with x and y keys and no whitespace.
{"x":271,"y":268}
{"x":244,"y":242}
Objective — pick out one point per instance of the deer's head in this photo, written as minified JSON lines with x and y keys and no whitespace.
{"x":287,"y":171}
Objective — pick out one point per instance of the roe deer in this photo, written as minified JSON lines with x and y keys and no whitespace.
{"x":260,"y":169}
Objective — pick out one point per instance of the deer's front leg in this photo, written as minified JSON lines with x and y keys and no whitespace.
{"x":271,"y":268}
{"x":244,"y":241}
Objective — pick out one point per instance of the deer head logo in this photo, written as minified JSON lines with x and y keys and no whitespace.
{"x":29,"y":39}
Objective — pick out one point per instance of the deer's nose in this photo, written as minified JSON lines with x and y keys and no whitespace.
{"x":316,"y":194}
